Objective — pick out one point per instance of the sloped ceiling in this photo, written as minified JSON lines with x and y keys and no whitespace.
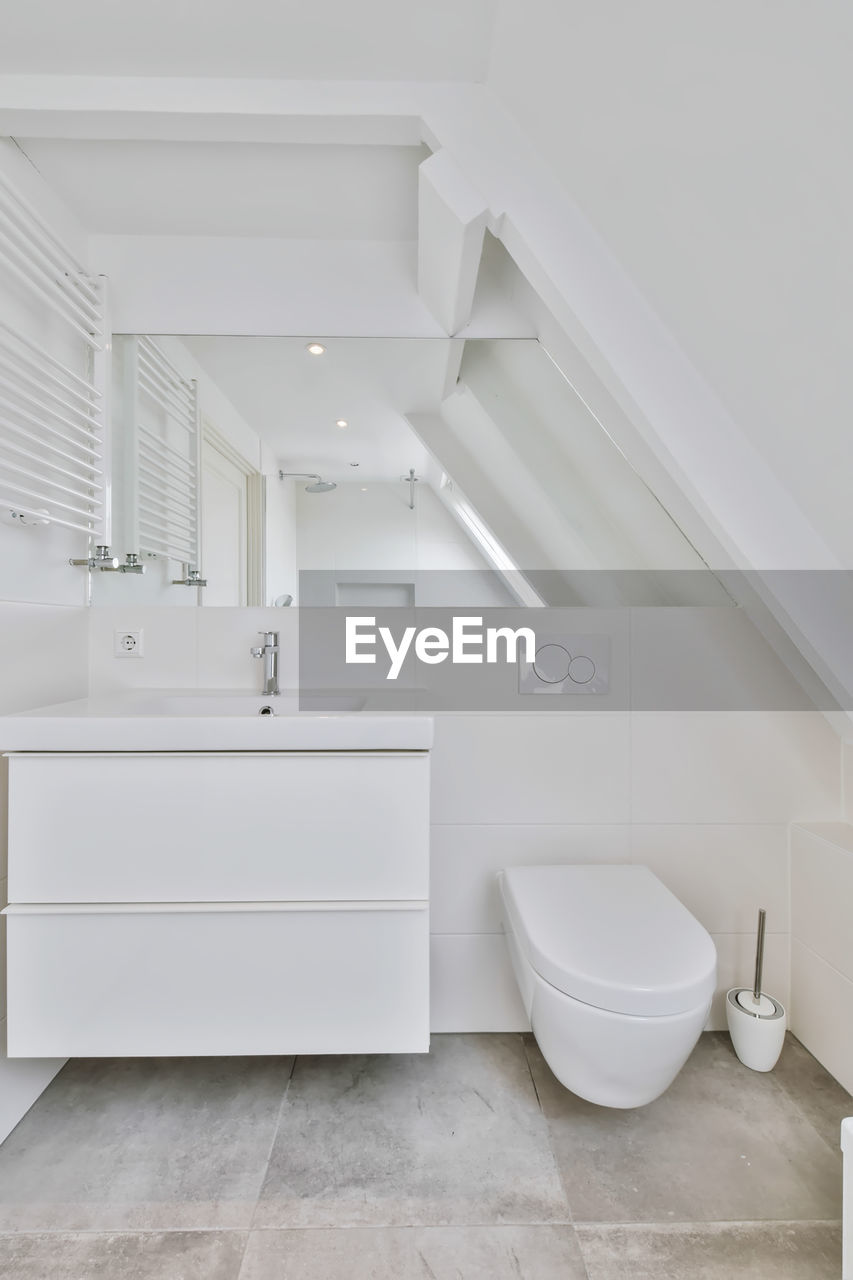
{"x":338,"y":40}
{"x":707,"y":147}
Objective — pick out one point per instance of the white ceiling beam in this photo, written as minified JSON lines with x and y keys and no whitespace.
{"x":452,"y":218}
{"x":511,"y":529}
{"x":316,"y":130}
{"x":195,"y":110}
{"x":455,"y":352}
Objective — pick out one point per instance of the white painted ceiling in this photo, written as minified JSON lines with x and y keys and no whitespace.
{"x":227,"y":188}
{"x":293,"y":399}
{"x":335,"y":40}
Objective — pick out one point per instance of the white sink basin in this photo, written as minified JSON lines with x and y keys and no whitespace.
{"x":213,"y":720}
{"x":204,"y":704}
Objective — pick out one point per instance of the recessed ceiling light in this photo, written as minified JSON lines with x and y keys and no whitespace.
{"x":315,"y":348}
{"x":341,"y":422}
{"x":364,"y":489}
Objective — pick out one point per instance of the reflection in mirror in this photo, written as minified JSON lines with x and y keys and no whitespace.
{"x":240,"y":461}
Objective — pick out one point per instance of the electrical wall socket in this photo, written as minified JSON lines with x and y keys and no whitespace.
{"x":127,"y":644}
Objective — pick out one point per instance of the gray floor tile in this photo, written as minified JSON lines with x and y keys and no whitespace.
{"x":177,"y":1255}
{"x":144,"y":1143}
{"x":452,"y":1137}
{"x":819,"y":1096}
{"x":747,"y":1251}
{"x":415,"y":1253}
{"x":723,"y":1144}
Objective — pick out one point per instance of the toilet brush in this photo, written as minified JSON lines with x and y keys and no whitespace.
{"x":756,"y":1021}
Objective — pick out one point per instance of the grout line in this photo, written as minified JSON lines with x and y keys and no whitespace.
{"x":609,"y":823}
{"x":709,"y":1222}
{"x":245,"y":1250}
{"x":556,"y":1163}
{"x":599,"y":1224}
{"x":845,"y":976}
{"x":530,"y":1073}
{"x":263,"y":1178}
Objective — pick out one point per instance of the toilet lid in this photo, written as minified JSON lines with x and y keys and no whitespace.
{"x":611,"y":936}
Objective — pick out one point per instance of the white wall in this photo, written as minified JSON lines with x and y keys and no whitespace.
{"x":822,"y":944}
{"x":43,"y":625}
{"x":371,"y":526}
{"x":703,"y":145}
{"x":821,"y":951}
{"x":282,"y":570}
{"x":703,"y":798}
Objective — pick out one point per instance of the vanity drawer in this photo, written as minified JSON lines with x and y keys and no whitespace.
{"x":217,"y":979}
{"x":218,"y":827}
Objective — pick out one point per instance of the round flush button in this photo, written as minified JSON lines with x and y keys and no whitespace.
{"x":553,"y":663}
{"x":581,"y":669}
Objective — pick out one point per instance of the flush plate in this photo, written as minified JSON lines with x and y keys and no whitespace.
{"x":574,"y":666}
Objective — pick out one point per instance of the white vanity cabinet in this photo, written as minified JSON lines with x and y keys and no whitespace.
{"x":218,"y":902}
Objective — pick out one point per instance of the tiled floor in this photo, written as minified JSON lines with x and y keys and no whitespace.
{"x":469,"y":1164}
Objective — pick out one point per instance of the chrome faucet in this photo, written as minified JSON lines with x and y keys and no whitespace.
{"x":269,"y":653}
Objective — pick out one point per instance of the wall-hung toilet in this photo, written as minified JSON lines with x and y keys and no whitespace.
{"x":615,"y":973}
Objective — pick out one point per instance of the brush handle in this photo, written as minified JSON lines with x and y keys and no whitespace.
{"x":759,"y":955}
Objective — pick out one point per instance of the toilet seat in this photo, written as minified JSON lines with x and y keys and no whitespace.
{"x":613,"y":937}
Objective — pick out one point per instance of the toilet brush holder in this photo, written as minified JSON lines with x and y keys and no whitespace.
{"x":756,"y":1021}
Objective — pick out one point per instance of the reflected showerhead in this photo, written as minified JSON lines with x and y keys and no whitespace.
{"x":319,"y":486}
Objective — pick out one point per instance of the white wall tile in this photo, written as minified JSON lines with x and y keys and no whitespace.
{"x":156,"y":588}
{"x":822,"y":897}
{"x":706,"y":659}
{"x":472,"y":986}
{"x":225,"y":637}
{"x":561,"y":768}
{"x":847,"y":777}
{"x":736,"y":968}
{"x":34,"y":565}
{"x":358,"y":526}
{"x":722,"y":874}
{"x":836,"y":833}
{"x":43,"y":655}
{"x":734,"y":767}
{"x":169,"y":649}
{"x":822,"y":1012}
{"x":465,"y":860}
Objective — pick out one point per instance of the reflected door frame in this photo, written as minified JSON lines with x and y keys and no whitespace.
{"x":214,"y":444}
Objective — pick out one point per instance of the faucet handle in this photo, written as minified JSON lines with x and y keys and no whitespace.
{"x":270,"y":639}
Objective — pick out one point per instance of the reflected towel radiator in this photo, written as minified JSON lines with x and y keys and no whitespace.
{"x":163,"y":455}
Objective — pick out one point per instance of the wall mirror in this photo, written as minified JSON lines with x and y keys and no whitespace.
{"x":242,"y":460}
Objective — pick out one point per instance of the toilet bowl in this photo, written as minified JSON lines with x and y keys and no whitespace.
{"x":615,"y":973}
